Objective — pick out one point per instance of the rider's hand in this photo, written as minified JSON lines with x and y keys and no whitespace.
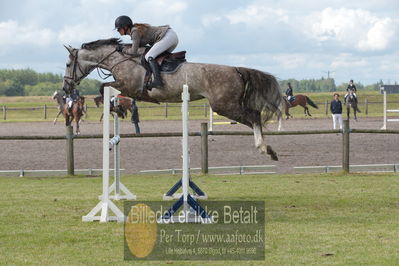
{"x":119,"y":48}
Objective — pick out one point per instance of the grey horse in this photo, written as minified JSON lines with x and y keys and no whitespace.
{"x":248,"y":96}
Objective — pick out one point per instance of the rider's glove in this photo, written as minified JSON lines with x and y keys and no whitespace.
{"x":119,"y":48}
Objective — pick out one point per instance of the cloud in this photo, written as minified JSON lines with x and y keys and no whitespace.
{"x":256,"y":14}
{"x":352,"y":28}
{"x":380,"y":36}
{"x":12,"y":33}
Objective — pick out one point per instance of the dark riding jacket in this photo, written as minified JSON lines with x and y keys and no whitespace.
{"x":336,"y":107}
{"x":351,"y":87}
{"x":289,"y":92}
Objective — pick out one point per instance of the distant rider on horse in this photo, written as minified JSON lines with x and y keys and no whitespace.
{"x":73,"y":97}
{"x":351,"y":89}
{"x":289,"y":93}
{"x":161,"y":39}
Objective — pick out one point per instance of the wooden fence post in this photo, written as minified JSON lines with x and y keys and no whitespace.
{"x":4,"y":112}
{"x":366,"y":107}
{"x":86,"y":115}
{"x":326,"y":104}
{"x":205,"y":110}
{"x":345,"y":146}
{"x":45,"y":111}
{"x":166,"y":110}
{"x":204,"y":148}
{"x":69,"y":150}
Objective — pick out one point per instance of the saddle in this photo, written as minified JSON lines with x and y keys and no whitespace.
{"x":168,"y":63}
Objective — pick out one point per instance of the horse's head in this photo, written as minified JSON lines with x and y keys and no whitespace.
{"x":100,"y":53}
{"x":74,"y":71}
{"x":55,"y":94}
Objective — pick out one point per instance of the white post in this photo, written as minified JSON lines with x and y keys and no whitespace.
{"x":186,"y":156}
{"x":117,"y":149}
{"x":105,"y":204}
{"x":117,"y":186}
{"x":187,"y":201}
{"x":385,"y":111}
{"x":210,"y":119}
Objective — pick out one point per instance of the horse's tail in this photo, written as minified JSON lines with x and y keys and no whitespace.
{"x":262,"y":93}
{"x":311,"y":103}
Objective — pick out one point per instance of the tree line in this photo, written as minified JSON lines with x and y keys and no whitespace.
{"x":324,"y":85}
{"x":27,"y":82}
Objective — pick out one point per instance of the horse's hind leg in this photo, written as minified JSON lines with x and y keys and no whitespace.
{"x":260,"y":143}
{"x":307,"y":111}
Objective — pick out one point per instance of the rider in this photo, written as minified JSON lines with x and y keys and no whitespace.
{"x":161,"y":39}
{"x":351,"y":89}
{"x":289,"y":93}
{"x":72,"y":97}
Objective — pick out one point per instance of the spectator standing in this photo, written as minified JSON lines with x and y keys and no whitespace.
{"x":336,"y":110}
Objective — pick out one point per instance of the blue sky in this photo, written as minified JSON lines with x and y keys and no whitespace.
{"x":290,"y":39}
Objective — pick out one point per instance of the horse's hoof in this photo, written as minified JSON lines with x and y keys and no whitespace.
{"x":272,"y":153}
{"x":262,"y":149}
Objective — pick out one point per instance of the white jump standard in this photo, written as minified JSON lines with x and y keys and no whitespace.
{"x":388,"y":111}
{"x":106,"y":204}
{"x":192,"y":211}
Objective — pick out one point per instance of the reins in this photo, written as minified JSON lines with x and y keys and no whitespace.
{"x":97,"y":66}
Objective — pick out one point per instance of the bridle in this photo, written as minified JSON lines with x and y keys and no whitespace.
{"x":76,"y":66}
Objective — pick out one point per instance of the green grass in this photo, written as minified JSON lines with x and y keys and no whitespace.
{"x":353,"y":217}
{"x":149,"y":111}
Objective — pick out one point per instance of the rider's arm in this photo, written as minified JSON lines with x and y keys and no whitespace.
{"x":132,"y":51}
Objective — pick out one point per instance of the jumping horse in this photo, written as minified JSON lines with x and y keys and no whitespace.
{"x":301,"y":100}
{"x":248,"y":96}
{"x":75,"y":113}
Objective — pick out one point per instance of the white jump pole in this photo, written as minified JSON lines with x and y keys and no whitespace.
{"x":186,"y":156}
{"x":385,"y":111}
{"x":105,"y":204}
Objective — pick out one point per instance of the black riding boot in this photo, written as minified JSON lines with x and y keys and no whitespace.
{"x":157,"y":81}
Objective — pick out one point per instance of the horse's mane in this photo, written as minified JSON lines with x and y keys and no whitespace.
{"x":95,"y":44}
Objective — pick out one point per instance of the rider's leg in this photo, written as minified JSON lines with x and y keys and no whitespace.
{"x":167,"y":43}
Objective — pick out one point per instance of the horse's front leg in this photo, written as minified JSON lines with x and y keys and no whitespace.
{"x":114,"y":84}
{"x":348,"y":111}
{"x":55,"y":119}
{"x":77,"y":127}
{"x":354,"y":114}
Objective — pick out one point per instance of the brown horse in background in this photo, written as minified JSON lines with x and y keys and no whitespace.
{"x":124,"y":105}
{"x":75,"y":113}
{"x":301,"y":100}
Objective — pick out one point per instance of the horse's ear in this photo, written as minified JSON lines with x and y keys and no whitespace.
{"x":69,"y":48}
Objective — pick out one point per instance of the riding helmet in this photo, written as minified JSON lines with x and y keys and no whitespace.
{"x":123,"y":21}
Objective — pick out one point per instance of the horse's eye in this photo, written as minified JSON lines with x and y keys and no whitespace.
{"x":68,"y":65}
